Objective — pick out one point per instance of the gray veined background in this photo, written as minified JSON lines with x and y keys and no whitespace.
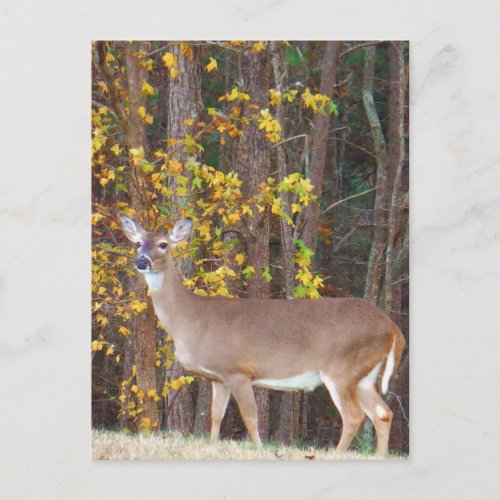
{"x":45,"y":244}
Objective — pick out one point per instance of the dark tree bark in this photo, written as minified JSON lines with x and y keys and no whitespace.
{"x":379,"y":242}
{"x":321,"y":125}
{"x":184,"y":102}
{"x":144,"y":325}
{"x":396,"y":158}
{"x":253,"y":167}
{"x":288,"y":425}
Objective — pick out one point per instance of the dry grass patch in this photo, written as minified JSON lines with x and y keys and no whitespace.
{"x":107,"y":445}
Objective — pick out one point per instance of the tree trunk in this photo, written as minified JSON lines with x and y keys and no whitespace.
{"x":144,"y":326}
{"x":396,"y":157}
{"x":184,"y":103}
{"x":288,"y":425}
{"x":374,"y":270}
{"x":202,"y":418}
{"x":253,"y":167}
{"x":321,"y":125}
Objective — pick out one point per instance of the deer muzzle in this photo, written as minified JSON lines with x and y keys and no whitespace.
{"x":143,"y":263}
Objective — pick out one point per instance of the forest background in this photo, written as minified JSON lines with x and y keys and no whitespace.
{"x":292,"y":160}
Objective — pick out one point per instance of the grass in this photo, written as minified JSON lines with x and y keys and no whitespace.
{"x":109,"y":445}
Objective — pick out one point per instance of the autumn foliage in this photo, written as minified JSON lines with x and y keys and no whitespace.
{"x":138,"y":169}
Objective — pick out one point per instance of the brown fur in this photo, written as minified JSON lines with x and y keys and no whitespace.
{"x":236,"y":341}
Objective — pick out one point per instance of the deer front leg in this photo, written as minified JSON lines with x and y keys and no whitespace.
{"x":242,"y":390}
{"x":220,"y":398}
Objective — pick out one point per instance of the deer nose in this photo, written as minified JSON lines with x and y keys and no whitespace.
{"x":143,"y":263}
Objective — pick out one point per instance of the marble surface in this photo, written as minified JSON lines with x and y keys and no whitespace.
{"x":45,"y":248}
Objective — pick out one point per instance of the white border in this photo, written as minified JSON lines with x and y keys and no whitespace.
{"x":45,"y":242}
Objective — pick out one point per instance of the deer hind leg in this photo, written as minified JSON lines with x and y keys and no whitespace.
{"x":220,"y":398}
{"x":242,"y":390}
{"x":378,"y":412}
{"x":345,"y":399}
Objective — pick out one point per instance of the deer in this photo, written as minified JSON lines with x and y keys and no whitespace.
{"x":347,"y":344}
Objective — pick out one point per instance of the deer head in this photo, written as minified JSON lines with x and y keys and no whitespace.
{"x":153,"y":248}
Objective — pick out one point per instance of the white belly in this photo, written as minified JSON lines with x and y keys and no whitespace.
{"x":305,"y":382}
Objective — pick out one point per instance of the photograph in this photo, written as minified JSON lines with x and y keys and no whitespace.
{"x":250,"y":250}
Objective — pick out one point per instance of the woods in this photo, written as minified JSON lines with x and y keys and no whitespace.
{"x":291,"y":158}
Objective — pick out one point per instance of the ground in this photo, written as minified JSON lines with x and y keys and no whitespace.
{"x":109,"y":445}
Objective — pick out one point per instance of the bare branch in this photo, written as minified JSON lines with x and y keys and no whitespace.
{"x":357,"y":195}
{"x":288,"y":139}
{"x":359,"y":46}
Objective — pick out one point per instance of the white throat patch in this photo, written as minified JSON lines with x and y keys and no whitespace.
{"x":154,"y":280}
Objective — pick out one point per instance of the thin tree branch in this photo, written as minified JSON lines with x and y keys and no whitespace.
{"x":339,"y":202}
{"x":359,"y":46}
{"x":288,"y":139}
{"x":107,"y":73}
{"x":357,"y":147}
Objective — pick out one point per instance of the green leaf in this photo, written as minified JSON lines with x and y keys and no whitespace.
{"x":332,"y":108}
{"x":266,"y":274}
{"x":248,"y":272}
{"x":196,"y":182}
{"x":164,"y":210}
{"x":147,"y":167}
{"x":292,"y":56}
{"x":300,"y":292}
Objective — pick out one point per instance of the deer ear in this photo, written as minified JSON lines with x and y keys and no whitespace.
{"x":181,"y":231}
{"x":133,"y":230}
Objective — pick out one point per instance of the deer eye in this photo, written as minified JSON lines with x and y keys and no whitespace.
{"x":138,"y":244}
{"x":163,"y":246}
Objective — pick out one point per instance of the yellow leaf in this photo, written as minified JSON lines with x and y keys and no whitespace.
{"x":239,"y":258}
{"x":102,"y":319}
{"x":211,"y":65}
{"x":110,"y":351}
{"x":96,"y":218}
{"x":257,"y":47}
{"x":134,"y":370}
{"x":233,"y":218}
{"x":117,"y":359}
{"x":189,"y":121}
{"x":170,"y":60}
{"x":110,"y":57}
{"x":141,"y":111}
{"x":145,"y":423}
{"x":122,"y":398}
{"x":116,"y":149}
{"x":103,"y":86}
{"x":147,"y":89}
{"x":137,"y":155}
{"x":246,"y":210}
{"x":186,"y":50}
{"x":174,"y":72}
{"x":138,"y":306}
{"x":134,"y":389}
{"x":94,"y":345}
{"x":124,"y":330}
{"x":174,"y":167}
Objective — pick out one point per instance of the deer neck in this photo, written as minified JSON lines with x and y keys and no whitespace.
{"x":170,"y":298}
